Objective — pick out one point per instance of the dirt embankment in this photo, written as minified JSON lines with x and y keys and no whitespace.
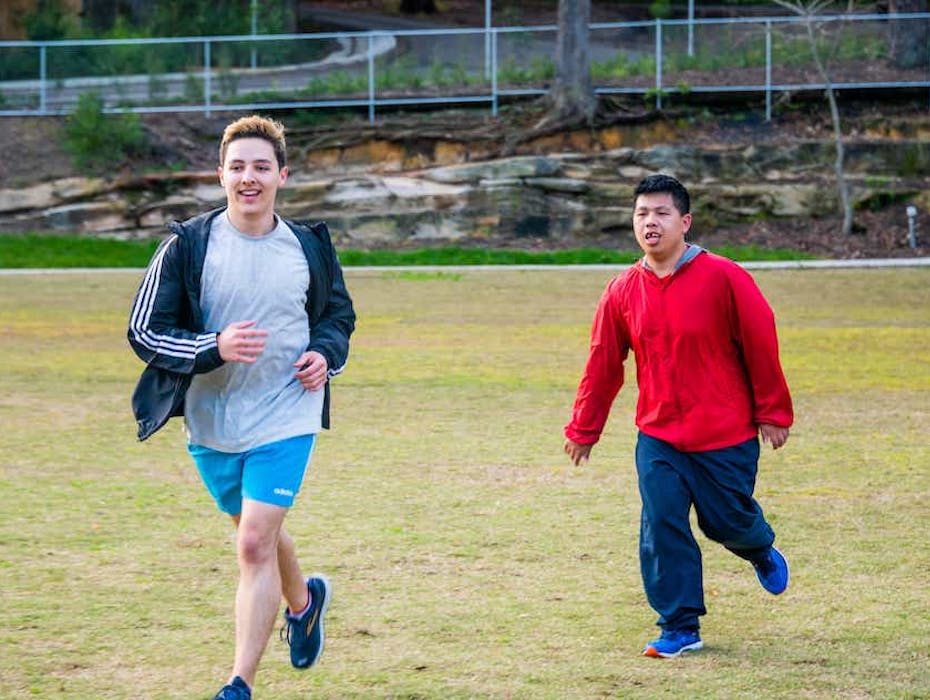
{"x":33,"y":152}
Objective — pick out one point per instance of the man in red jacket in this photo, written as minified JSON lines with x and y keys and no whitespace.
{"x":710,"y":382}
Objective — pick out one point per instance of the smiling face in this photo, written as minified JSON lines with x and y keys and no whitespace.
{"x":251,"y":177}
{"x":660,"y":228}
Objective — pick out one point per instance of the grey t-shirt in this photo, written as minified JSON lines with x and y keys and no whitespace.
{"x":263,"y":278}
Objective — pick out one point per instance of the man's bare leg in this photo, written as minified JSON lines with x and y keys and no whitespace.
{"x":258,"y":597}
{"x":293,"y":582}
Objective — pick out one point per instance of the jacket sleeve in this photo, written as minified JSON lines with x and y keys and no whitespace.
{"x":603,"y":374}
{"x":160,"y":315}
{"x":755,"y":333}
{"x":330,"y":333}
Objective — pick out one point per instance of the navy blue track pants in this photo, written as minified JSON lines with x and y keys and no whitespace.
{"x":719,"y":484}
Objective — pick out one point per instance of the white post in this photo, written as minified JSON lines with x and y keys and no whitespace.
{"x":912,"y":227}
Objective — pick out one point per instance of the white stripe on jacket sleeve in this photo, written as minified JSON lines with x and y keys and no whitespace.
{"x":171,"y":346}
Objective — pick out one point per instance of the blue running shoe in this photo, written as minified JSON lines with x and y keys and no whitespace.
{"x":772,"y":570}
{"x":236,"y":690}
{"x":673,"y":643}
{"x":305,"y":633}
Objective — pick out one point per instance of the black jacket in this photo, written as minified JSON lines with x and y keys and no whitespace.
{"x":166,"y":327}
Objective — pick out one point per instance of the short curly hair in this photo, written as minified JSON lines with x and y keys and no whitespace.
{"x":259,"y":128}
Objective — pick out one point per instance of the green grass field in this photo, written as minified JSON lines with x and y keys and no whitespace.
{"x":37,"y":251}
{"x":469,"y":559}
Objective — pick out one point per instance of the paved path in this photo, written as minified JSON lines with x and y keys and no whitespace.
{"x":61,"y":95}
{"x":522,"y":48}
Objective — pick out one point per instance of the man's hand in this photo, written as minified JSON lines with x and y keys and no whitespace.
{"x":241,"y":342}
{"x":311,"y":370}
{"x":773,"y":434}
{"x":577,"y":453}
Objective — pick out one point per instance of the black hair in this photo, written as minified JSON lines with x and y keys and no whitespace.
{"x":660,"y":184}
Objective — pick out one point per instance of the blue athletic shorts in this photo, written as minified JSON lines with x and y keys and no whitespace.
{"x":269,"y":473}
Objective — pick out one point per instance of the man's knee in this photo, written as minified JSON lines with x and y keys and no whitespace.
{"x":254,"y":551}
{"x":256,"y":546}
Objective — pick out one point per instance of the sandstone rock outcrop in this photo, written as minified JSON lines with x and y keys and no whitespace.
{"x":450,"y":196}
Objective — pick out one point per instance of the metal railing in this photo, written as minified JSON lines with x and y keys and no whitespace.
{"x":655,"y":59}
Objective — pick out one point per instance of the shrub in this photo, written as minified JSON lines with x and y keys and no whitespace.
{"x":99,"y":141}
{"x":193,"y":89}
{"x":661,"y":9}
{"x":52,"y":21}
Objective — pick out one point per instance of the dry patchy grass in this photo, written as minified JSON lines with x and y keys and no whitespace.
{"x":469,"y":559}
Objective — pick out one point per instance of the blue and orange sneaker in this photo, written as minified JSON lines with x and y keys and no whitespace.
{"x":772,"y":569}
{"x":673,"y":643}
{"x":305,"y":633}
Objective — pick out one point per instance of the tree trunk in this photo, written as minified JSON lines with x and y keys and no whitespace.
{"x":909,"y":37}
{"x":572,"y":95}
{"x":808,"y":9}
{"x":839,"y":165}
{"x":415,"y":7}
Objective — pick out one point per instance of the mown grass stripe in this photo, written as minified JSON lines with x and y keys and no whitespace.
{"x":34,"y":251}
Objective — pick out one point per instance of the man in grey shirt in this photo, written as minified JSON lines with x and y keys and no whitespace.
{"x":255,"y":394}
{"x":269,"y":403}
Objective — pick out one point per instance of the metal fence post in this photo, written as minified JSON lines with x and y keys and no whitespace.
{"x":768,"y":71}
{"x":487,"y":39}
{"x":43,"y":98}
{"x":206,"y":78}
{"x":494,"y":73}
{"x":254,"y":57}
{"x":658,"y":64}
{"x":690,"y":27}
{"x":371,"y":77}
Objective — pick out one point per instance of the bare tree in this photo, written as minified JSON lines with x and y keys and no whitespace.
{"x":809,"y":10}
{"x":909,"y":38}
{"x":572,"y":95}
